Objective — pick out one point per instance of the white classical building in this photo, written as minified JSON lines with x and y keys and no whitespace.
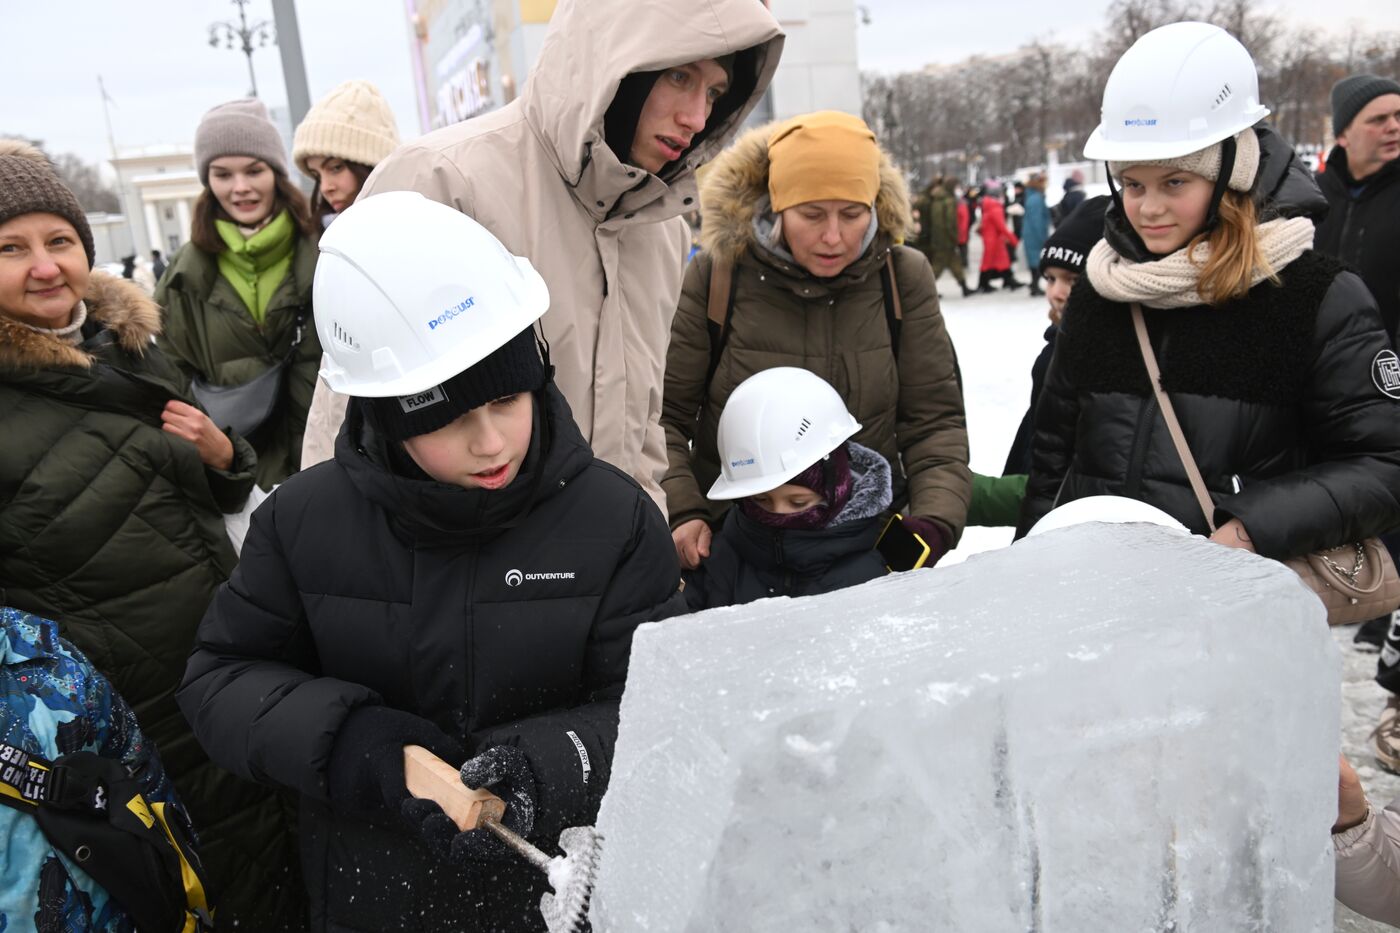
{"x":158,"y":187}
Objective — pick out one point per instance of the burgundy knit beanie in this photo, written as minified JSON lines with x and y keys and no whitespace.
{"x":829,"y":477}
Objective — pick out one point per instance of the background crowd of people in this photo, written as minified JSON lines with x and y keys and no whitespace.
{"x":462,"y":530}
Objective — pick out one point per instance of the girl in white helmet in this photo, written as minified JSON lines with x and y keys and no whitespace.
{"x":464,"y":575}
{"x":1274,"y":357}
{"x":811,"y":502}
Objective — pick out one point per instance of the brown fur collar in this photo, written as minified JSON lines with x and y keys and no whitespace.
{"x":734,"y":184}
{"x":126,"y":310}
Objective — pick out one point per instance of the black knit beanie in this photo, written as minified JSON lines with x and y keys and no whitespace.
{"x":1351,"y":94}
{"x":1068,"y":247}
{"x":513,"y":368}
{"x":29,"y":185}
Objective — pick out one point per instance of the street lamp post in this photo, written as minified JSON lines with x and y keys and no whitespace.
{"x":242,"y":37}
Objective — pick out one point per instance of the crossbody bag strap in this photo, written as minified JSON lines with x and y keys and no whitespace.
{"x":894,"y":308}
{"x":1154,"y":375}
{"x":719,"y":305}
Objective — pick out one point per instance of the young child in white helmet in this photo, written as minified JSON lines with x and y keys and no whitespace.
{"x":811,"y":502}
{"x":464,"y":575}
{"x":1273,"y":356}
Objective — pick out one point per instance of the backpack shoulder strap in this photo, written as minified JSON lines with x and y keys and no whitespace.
{"x":894,"y":310}
{"x":718,"y":309}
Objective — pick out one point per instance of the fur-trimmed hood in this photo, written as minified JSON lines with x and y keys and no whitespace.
{"x":873,"y":489}
{"x":736,"y":184}
{"x":120,"y":306}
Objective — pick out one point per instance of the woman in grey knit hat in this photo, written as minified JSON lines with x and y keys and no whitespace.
{"x":115,"y":486}
{"x":237,"y":297}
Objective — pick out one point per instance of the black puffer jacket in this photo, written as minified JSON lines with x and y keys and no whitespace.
{"x":750,"y":561}
{"x":358,"y":586}
{"x":1362,"y":229}
{"x":1278,"y":394}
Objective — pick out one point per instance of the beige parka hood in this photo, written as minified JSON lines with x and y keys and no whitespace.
{"x":606,"y":236}
{"x":594,"y":44}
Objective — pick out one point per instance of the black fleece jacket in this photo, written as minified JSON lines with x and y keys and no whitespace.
{"x":502,"y":617}
{"x":1282,"y":395}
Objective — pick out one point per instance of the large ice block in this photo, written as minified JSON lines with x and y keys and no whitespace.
{"x":1105,"y":728}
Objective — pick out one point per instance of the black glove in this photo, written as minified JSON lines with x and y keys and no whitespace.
{"x":366,"y":764}
{"x":505,"y":771}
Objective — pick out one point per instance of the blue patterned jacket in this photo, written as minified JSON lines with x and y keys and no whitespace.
{"x":53,"y":702}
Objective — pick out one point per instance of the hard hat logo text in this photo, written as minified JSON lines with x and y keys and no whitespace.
{"x":450,"y":313}
{"x":1141,"y":121}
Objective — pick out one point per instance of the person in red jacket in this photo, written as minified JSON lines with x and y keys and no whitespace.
{"x":996,"y":237}
{"x":964,"y":227}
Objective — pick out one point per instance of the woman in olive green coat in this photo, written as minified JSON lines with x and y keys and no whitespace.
{"x":237,"y":297}
{"x":807,"y":215}
{"x":113,"y":486}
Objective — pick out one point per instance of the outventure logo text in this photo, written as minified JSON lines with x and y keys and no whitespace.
{"x":516,"y":577}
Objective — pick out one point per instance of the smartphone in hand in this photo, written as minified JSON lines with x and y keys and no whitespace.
{"x":901,"y":548}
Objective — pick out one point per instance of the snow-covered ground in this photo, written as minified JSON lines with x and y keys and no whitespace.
{"x":997,"y":338}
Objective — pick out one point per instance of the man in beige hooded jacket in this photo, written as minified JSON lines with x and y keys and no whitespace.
{"x":540,"y":175}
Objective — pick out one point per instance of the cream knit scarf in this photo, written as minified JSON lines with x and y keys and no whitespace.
{"x":71,"y":333}
{"x":1170,"y":282}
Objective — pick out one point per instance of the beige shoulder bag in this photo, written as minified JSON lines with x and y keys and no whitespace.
{"x":1355,"y":582}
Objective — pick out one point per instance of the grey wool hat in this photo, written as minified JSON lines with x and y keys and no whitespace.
{"x":238,"y":128}
{"x":1353,"y":93}
{"x":29,"y":185}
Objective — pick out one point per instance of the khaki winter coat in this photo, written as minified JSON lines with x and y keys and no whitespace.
{"x":210,"y":333}
{"x":538,"y":174}
{"x":835,"y":327}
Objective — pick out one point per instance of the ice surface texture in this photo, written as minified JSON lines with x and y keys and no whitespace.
{"x":1104,"y":728}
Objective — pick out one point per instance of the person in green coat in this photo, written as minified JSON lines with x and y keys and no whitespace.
{"x":237,"y":297}
{"x":113,"y":488}
{"x":939,"y":234}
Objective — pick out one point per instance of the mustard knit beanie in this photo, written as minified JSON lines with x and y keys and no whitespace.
{"x":823,"y":156}
{"x":353,"y":122}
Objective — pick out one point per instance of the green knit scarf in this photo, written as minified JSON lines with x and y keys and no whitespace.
{"x":256,"y":265}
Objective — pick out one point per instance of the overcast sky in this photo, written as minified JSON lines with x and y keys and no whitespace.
{"x":162,"y":74}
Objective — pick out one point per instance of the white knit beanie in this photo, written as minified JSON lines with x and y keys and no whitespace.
{"x":1206,"y":162}
{"x":353,"y":122}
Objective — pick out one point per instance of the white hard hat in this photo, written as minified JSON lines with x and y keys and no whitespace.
{"x":409,"y":293}
{"x":1113,"y":509}
{"x":776,"y":424}
{"x":1179,"y":89}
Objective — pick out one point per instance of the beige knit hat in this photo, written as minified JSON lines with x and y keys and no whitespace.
{"x":1206,"y":162}
{"x":353,"y":122}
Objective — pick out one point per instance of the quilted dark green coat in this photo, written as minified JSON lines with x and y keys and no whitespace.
{"x":209,"y":332}
{"x":114,"y":528}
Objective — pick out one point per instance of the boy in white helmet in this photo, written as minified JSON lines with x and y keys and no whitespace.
{"x":464,"y":576}
{"x":811,"y":502}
